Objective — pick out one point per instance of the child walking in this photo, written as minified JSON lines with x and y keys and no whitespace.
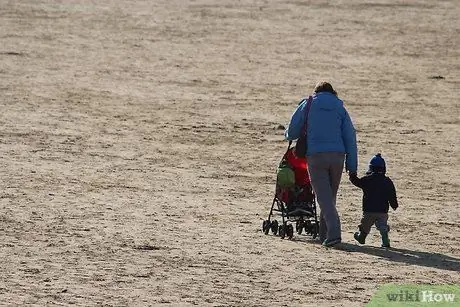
{"x":378,"y":193}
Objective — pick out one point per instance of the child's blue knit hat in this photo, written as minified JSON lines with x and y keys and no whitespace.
{"x":377,"y":161}
{"x":377,"y":164}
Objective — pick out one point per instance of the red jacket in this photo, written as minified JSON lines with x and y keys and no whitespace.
{"x":300,"y":167}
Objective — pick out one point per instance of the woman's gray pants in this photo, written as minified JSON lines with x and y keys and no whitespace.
{"x":325,"y":171}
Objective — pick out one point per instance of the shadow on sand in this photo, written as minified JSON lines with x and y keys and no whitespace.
{"x":433,"y":260}
{"x":427,"y":259}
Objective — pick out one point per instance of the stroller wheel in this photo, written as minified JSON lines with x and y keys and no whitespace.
{"x":274,"y":227}
{"x":290,"y":231}
{"x":266,"y":226}
{"x":308,"y":227}
{"x":315,"y":230}
{"x":282,"y":231}
{"x":299,"y":227}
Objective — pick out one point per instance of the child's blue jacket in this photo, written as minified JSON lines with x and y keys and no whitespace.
{"x":330,"y":128}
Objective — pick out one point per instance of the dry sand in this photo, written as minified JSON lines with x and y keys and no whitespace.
{"x":139,"y":142}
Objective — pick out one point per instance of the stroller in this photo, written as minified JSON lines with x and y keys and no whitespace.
{"x":294,"y":202}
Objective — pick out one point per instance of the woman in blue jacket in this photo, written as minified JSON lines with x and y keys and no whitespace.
{"x":331,"y":140}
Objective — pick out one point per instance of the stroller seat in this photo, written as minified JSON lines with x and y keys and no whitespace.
{"x":298,"y":200}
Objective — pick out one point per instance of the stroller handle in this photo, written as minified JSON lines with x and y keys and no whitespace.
{"x":287,"y":150}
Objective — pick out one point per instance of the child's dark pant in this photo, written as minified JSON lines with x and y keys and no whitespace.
{"x":370,"y":218}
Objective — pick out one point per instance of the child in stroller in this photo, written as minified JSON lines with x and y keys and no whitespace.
{"x":294,"y":199}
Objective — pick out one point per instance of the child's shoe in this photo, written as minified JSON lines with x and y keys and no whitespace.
{"x":360,"y":236}
{"x":385,"y":239}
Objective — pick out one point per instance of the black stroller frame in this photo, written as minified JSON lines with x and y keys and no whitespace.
{"x":302,"y":213}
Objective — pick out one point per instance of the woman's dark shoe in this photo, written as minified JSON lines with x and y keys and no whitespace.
{"x":331,"y":242}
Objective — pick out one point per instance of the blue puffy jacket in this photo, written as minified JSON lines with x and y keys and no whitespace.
{"x":330,"y":128}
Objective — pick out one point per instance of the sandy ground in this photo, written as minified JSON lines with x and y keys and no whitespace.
{"x":139,"y":142}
